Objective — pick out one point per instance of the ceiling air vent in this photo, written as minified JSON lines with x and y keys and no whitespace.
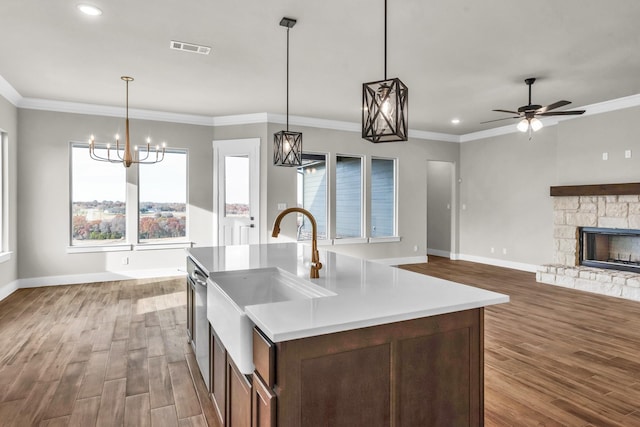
{"x":189,"y":47}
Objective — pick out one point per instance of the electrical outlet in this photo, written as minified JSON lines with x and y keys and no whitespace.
{"x":627,"y":154}
{"x":415,"y":248}
{"x":493,"y":250}
{"x":504,"y":251}
{"x":605,"y":156}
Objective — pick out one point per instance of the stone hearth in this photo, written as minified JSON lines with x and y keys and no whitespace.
{"x":606,"y":211}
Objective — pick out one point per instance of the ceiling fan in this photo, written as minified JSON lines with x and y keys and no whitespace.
{"x":530,"y":113}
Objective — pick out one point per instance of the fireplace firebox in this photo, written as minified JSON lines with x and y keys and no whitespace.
{"x":612,"y":248}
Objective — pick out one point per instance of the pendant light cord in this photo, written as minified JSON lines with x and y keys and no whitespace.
{"x":288,"y":79}
{"x":385,"y":39}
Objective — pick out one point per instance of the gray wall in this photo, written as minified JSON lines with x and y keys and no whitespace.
{"x":43,"y":205}
{"x":9,"y":124}
{"x":506,"y":180}
{"x":439,"y":205}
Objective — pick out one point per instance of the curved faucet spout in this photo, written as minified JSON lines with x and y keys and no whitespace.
{"x":316,"y":265}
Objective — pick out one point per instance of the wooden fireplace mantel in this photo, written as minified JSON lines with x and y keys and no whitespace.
{"x":632,"y":188}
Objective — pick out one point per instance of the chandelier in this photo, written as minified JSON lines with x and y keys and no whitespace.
{"x":125,"y":156}
{"x":287,"y":145}
{"x":385,"y":105}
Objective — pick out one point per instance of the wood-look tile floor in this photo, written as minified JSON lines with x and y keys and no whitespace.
{"x":103,"y":354}
{"x":553,"y":356}
{"x":116,"y":354}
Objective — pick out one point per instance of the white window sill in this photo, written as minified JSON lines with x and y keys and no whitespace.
{"x":5,"y":256}
{"x":323,"y":242}
{"x":388,"y":239}
{"x":105,"y":248}
{"x":155,"y":246}
{"x":350,"y":241}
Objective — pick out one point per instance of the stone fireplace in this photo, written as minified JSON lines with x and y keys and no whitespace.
{"x":597,"y":239}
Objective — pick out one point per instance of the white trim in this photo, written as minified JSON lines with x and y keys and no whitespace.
{"x":387,"y":239}
{"x":5,"y":256}
{"x":8,"y":92}
{"x":110,"y":111}
{"x":106,"y":276}
{"x":240,"y":119}
{"x":105,"y":248}
{"x":532,"y":268}
{"x":153,"y":246}
{"x":350,"y":241}
{"x":8,"y":289}
{"x":438,"y":252}
{"x":400,"y":261}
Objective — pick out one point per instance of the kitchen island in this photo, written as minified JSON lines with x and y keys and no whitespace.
{"x":374,"y":345}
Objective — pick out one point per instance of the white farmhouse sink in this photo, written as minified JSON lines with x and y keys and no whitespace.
{"x":228,"y":293}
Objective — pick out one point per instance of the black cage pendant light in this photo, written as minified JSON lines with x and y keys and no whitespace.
{"x":287,"y":145}
{"x":385,"y":105}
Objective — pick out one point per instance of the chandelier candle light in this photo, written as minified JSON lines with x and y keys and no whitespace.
{"x":287,"y":146}
{"x":385,"y":105}
{"x":126,"y":158}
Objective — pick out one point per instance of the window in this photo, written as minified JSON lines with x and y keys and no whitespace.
{"x":383,"y":197}
{"x":98,"y":199}
{"x":162,"y":206}
{"x":312,"y":194}
{"x":99,"y":202}
{"x":348,"y":197}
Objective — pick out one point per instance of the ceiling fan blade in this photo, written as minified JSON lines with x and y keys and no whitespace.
{"x":506,"y":111}
{"x":497,"y":120}
{"x":553,"y":106}
{"x":563,"y":113}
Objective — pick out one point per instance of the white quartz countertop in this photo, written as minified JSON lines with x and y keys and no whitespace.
{"x":366,"y":293}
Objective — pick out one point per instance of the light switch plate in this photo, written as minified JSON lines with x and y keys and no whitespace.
{"x":605,"y":156}
{"x":282,"y":206}
{"x":627,"y":154}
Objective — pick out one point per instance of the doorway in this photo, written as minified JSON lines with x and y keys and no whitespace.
{"x":440,"y":208}
{"x":236,"y":188}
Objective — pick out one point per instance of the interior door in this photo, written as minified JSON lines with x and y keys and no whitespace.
{"x":237,"y":191}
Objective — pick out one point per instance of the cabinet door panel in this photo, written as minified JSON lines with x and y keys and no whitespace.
{"x":264,"y":404}
{"x":218,"y":372}
{"x":238,"y":397}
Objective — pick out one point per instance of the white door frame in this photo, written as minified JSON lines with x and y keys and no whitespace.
{"x":221,"y":149}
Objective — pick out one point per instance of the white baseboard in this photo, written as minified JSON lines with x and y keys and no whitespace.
{"x":8,"y":289}
{"x":106,"y":276}
{"x":438,"y":252}
{"x":532,"y":268}
{"x":400,"y":261}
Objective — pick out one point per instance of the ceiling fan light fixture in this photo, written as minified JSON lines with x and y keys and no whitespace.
{"x":535,"y":124}
{"x":523,"y":125}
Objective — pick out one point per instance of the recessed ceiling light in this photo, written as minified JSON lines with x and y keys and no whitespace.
{"x":455,"y":121}
{"x":87,"y":9}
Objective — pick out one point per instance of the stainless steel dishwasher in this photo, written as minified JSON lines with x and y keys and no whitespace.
{"x":200,"y":327}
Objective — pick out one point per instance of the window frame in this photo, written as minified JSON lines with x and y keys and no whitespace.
{"x":363,"y":201}
{"x":327,"y":203}
{"x":181,"y":242}
{"x":132,"y":208}
{"x":394,"y":236}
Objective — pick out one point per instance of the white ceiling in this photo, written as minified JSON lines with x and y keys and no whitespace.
{"x":459,"y":58}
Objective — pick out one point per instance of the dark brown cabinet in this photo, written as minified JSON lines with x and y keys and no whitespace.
{"x":420,"y":372}
{"x":218,"y":372}
{"x":238,"y":397}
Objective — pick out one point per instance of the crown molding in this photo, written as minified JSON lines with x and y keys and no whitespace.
{"x":12,"y":95}
{"x":8,"y":92}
